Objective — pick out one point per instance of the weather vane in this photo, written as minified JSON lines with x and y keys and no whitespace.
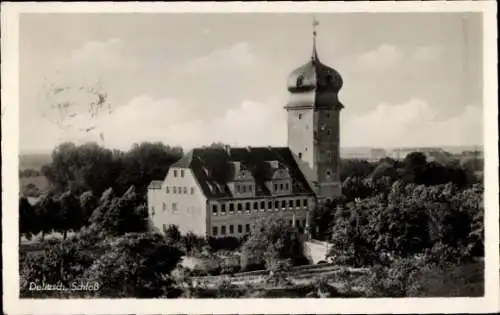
{"x":315,"y":23}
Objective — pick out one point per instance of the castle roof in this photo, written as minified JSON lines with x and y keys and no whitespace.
{"x":315,"y":76}
{"x":214,"y":168}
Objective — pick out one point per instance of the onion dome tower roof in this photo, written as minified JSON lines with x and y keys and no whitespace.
{"x":314,"y":74}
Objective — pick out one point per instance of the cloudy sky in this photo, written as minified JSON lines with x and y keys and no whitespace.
{"x":410,"y":79}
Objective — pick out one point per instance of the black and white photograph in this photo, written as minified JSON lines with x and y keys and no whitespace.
{"x":279,"y":155}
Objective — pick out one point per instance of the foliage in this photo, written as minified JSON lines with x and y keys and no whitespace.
{"x":61,"y":262}
{"x":27,"y":218}
{"x":441,"y":221}
{"x":273,"y":239}
{"x":92,"y":167}
{"x":137,"y":265}
{"x":120,"y":215}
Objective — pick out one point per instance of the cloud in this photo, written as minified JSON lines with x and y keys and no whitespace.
{"x":103,"y":55}
{"x":413,"y":123}
{"x":172,"y":122}
{"x":238,"y":55}
{"x":427,"y":53}
{"x":383,"y":57}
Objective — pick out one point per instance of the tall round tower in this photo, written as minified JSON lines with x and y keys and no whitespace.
{"x":314,"y":123}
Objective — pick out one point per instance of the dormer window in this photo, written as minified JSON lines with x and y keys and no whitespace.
{"x":300,"y":81}
{"x":175,"y":173}
{"x":182,"y":173}
{"x":328,"y":174}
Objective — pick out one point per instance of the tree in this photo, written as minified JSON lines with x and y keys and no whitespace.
{"x":81,"y":168}
{"x":70,"y":216}
{"x":273,"y":239}
{"x":172,"y":234}
{"x":355,"y":168}
{"x":146,"y":162}
{"x":47,"y":210}
{"x":27,"y":218}
{"x":138,"y":265}
{"x":120,"y":215}
{"x":88,"y":203}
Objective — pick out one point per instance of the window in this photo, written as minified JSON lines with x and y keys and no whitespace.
{"x":164,"y":206}
{"x":305,"y":203}
{"x":182,"y":173}
{"x":300,"y":81}
{"x":305,"y":149}
{"x":287,"y":186}
{"x":297,"y":223}
{"x":231,"y":207}
{"x":223,"y":207}
{"x":152,"y":210}
{"x":291,"y":222}
{"x":327,"y":115}
{"x":243,"y":188}
{"x":247,"y":228}
{"x":174,"y":206}
{"x":256,"y":205}
{"x":304,"y":223}
{"x":214,"y":231}
{"x":300,"y":116}
{"x":174,"y":189}
{"x":231,"y":229}
{"x":214,"y":209}
{"x":300,"y":155}
{"x":262,"y":205}
{"x":275,"y":187}
{"x":328,"y":174}
{"x":185,"y":190}
{"x":270,"y":205}
{"x":237,"y":187}
{"x":283,"y":204}
{"x":240,"y":228}
{"x":328,"y":131}
{"x":276,"y":204}
{"x":240,"y":207}
{"x":247,"y":206}
{"x":167,"y":190}
{"x":223,"y":230}
{"x":175,"y":173}
{"x":290,"y":203}
{"x":192,"y":190}
{"x":297,"y":203}
{"x":281,"y":187}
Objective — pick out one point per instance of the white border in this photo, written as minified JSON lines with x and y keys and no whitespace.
{"x":10,"y":124}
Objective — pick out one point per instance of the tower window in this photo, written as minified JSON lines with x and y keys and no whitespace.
{"x":328,"y":174}
{"x":300,"y":81}
{"x":329,"y":79}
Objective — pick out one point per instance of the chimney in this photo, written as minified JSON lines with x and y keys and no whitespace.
{"x":228,"y":150}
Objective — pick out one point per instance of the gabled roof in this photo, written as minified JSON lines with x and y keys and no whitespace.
{"x":155,"y":184}
{"x":213,"y":169}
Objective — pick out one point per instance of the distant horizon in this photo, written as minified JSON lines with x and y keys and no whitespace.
{"x":443,"y":147}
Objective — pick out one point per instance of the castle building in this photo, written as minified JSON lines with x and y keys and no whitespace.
{"x":217,"y":192}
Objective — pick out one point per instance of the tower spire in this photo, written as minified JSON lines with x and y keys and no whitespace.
{"x":314,"y":56}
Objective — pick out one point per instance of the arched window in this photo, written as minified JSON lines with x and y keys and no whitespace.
{"x":328,"y":174}
{"x":300,"y":81}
